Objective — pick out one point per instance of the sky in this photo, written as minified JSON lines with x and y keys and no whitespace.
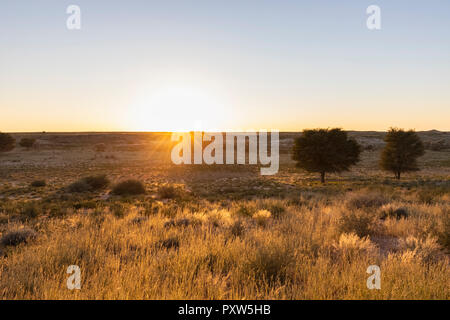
{"x":224,"y":65}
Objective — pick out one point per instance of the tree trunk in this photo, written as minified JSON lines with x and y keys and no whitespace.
{"x":322,"y":177}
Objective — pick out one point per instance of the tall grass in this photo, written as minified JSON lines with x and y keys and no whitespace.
{"x":240,"y":251}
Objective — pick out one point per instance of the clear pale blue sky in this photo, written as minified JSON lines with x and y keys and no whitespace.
{"x":166,"y":65}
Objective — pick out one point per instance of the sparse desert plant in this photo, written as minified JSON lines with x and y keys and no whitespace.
{"x":393,"y":211}
{"x":262,"y":217}
{"x":325,"y":151}
{"x":79,"y":186}
{"x":169,"y":243}
{"x":14,"y":238}
{"x":276,"y":208}
{"x":246,"y":210}
{"x":237,"y":228}
{"x":139,"y":220}
{"x":427,"y":250}
{"x":91,"y":183}
{"x":168,"y":192}
{"x":27,"y":142}
{"x":183,"y":222}
{"x":355,"y":221}
{"x":401,"y":151}
{"x":269,"y":263}
{"x":38,"y":183}
{"x":7,"y":142}
{"x":366,"y":200}
{"x":118,"y":210}
{"x":350,"y":246}
{"x":97,"y":182}
{"x":30,"y":210}
{"x":129,"y":187}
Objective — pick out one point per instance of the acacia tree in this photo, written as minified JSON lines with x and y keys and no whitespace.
{"x":401,"y":151}
{"x":325,"y":150}
{"x":7,"y":142}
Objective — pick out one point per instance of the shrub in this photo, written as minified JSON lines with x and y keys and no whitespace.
{"x":262,"y":217}
{"x":237,"y":228}
{"x":444,"y":235}
{"x":85,"y":205}
{"x":246,"y":210}
{"x":30,"y":210}
{"x":38,"y":183}
{"x":14,"y":238}
{"x":27,"y":142}
{"x":427,"y":250}
{"x":118,"y":210}
{"x":170,"y":243}
{"x":391,"y":211}
{"x":183,"y":222}
{"x":269,"y":263}
{"x":139,"y":220}
{"x":355,"y":222}
{"x":79,"y":186}
{"x":91,"y":183}
{"x":276,"y":209}
{"x":168,"y":192}
{"x":365,"y":200}
{"x":129,"y":187}
{"x":7,"y":142}
{"x":351,"y":246}
{"x":97,"y":182}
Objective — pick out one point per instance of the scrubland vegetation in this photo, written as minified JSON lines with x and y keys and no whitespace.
{"x":141,"y":228}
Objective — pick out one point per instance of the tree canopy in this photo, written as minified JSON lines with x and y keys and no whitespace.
{"x":401,"y":151}
{"x":325,"y":151}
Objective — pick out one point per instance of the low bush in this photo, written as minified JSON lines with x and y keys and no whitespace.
{"x":129,"y":187}
{"x":392,"y":211}
{"x":14,"y":238}
{"x":168,"y":192}
{"x":38,"y":183}
{"x":355,"y":222}
{"x":366,"y":200}
{"x":91,"y":183}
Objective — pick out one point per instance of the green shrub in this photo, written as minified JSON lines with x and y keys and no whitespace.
{"x":129,"y":187}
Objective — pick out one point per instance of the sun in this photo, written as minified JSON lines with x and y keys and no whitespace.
{"x":178,"y":108}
